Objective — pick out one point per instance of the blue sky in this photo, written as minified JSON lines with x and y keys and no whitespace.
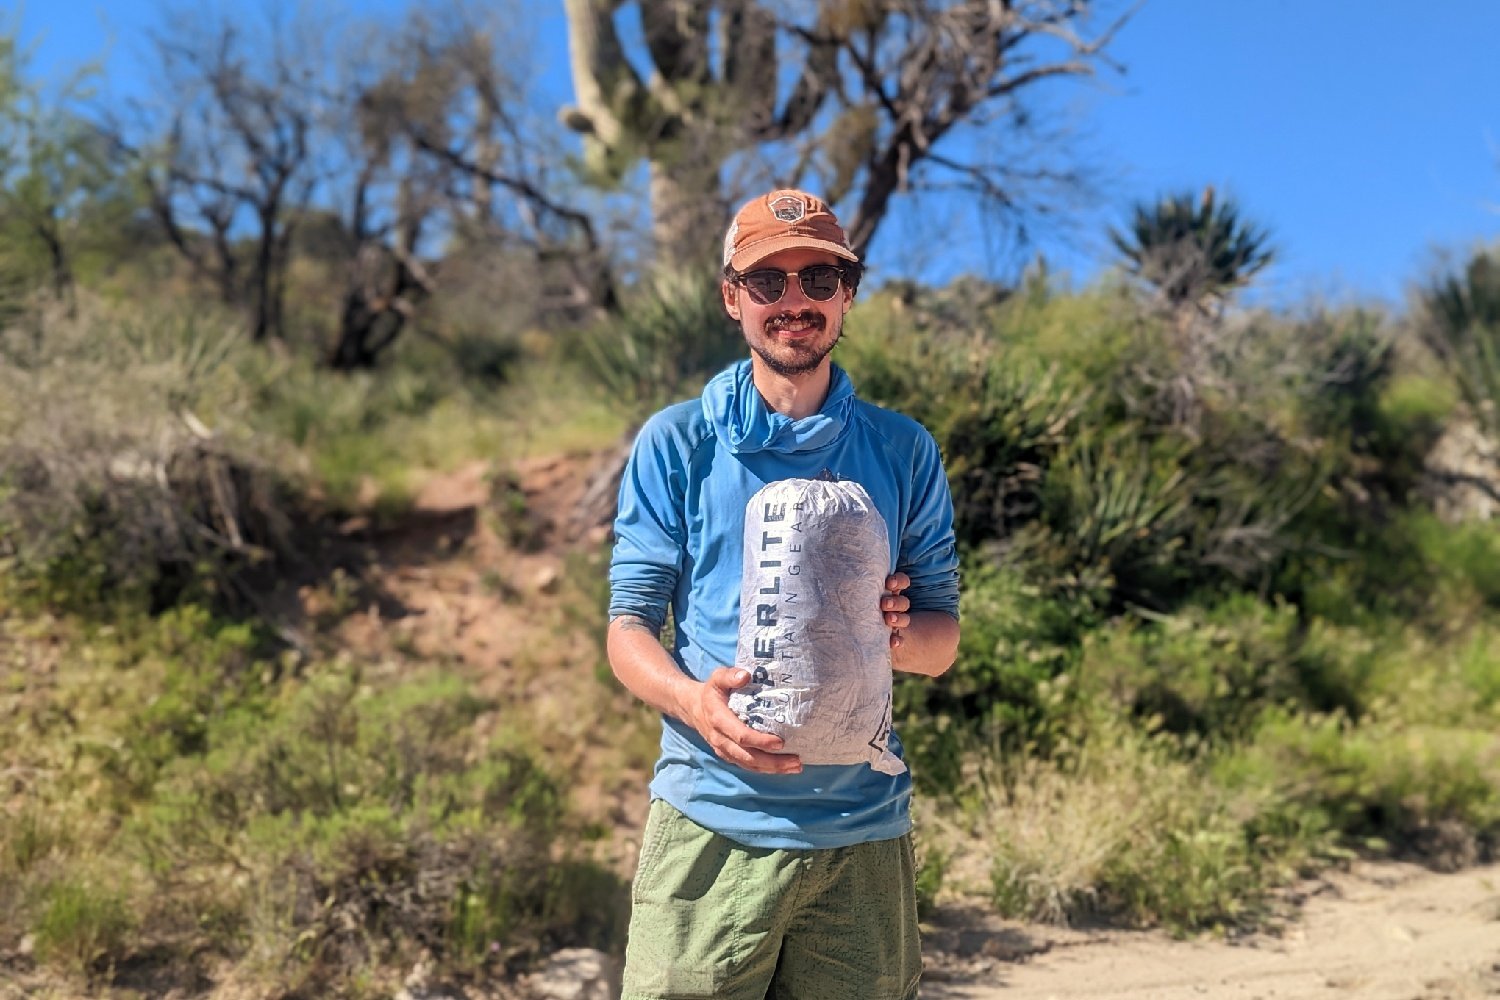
{"x":1364,"y":135}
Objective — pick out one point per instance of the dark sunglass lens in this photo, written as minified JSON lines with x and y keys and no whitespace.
{"x":820,"y":283}
{"x":766,"y":286}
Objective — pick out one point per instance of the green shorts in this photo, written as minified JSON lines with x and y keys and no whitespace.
{"x":711,"y":918}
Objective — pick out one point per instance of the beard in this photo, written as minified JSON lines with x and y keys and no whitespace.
{"x":789,"y":358}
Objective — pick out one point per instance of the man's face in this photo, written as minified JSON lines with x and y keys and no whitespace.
{"x":794,"y":334}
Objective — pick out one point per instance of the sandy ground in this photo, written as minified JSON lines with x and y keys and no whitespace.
{"x":1382,"y":931}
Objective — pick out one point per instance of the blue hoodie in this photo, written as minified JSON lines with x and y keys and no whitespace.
{"x":678,"y":542}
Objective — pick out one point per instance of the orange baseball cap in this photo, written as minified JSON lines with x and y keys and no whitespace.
{"x":783,"y":220}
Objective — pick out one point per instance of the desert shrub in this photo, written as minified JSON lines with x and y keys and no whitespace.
{"x":1288,"y":439}
{"x":311,"y":822}
{"x":1016,"y":642}
{"x":1055,"y":828}
{"x":1198,"y":872}
{"x":1115,"y":518}
{"x":1461,"y":562}
{"x":1213,"y":671}
{"x":193,"y":669}
{"x":1135,"y":822}
{"x":1455,"y":564}
{"x":373,"y":824}
{"x":1122,"y":826}
{"x":348,"y":428}
{"x":997,"y":419}
{"x":83,"y":924}
{"x":1067,"y":462}
{"x":126,"y":457}
{"x":1478,"y":666}
{"x":1389,"y":785}
{"x":29,"y":835}
{"x":670,"y":337}
{"x":1090,"y":333}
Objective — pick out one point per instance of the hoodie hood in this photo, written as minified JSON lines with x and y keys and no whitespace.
{"x":744,"y":423}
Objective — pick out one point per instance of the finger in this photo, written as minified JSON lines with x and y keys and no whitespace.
{"x":733,"y":752}
{"x":757,"y":760}
{"x":897,"y":582}
{"x":774,"y":763}
{"x":895,"y":602}
{"x":728,"y":678}
{"x":896,"y":639}
{"x":754,"y":739}
{"x":897,"y":621}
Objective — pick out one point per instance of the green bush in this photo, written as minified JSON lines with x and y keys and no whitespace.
{"x":1115,"y":527}
{"x":1425,"y":790}
{"x":312,"y":822}
{"x":1015,"y":642}
{"x":997,"y":418}
{"x":1456,"y":564}
{"x":1212,"y":672}
{"x":82,"y":925}
{"x":377,"y":826}
{"x":1067,"y":468}
{"x":1198,"y":873}
{"x":1122,"y":826}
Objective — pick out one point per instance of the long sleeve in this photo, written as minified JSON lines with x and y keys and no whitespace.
{"x":649,"y":531}
{"x":928,"y":552}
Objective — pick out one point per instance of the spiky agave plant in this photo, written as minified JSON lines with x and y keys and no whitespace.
{"x":672,"y":336}
{"x":1194,"y":251}
{"x":1459,"y":321}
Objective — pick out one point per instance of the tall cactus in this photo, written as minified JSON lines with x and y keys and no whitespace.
{"x":688,"y":116}
{"x":879,"y":85}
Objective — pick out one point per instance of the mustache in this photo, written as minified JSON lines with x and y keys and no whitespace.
{"x":805,"y":316}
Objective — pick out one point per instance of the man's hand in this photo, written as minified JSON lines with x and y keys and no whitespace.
{"x":709,"y":713}
{"x":895,"y":607}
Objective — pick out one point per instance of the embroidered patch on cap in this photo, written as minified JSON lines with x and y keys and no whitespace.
{"x":789,"y":208}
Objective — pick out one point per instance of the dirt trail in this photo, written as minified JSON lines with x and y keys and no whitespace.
{"x":1382,"y":931}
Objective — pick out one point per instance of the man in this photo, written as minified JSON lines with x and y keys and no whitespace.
{"x":759,"y":875}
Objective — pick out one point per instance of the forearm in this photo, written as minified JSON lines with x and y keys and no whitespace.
{"x":928,"y":645}
{"x":647,"y":670}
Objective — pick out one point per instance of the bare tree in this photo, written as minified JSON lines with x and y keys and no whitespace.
{"x":385,"y":195}
{"x":466,"y":106}
{"x":227,"y":160}
{"x":874,"y":91}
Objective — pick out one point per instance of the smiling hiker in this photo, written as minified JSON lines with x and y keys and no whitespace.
{"x":762,"y":874}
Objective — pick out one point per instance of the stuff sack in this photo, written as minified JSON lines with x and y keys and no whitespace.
{"x":812,"y":634}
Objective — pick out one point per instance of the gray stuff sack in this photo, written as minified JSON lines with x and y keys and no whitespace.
{"x":811,"y":632}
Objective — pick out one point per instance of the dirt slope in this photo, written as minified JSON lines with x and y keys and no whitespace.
{"x":1383,"y":931}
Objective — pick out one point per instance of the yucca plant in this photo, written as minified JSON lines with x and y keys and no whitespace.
{"x":1460,"y":323}
{"x":1194,"y":251}
{"x":1116,"y":515}
{"x":671,"y":338}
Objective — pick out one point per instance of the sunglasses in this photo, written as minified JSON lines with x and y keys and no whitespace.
{"x":768,"y":284}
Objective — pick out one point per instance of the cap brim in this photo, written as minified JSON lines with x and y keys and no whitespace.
{"x":748,"y":256}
